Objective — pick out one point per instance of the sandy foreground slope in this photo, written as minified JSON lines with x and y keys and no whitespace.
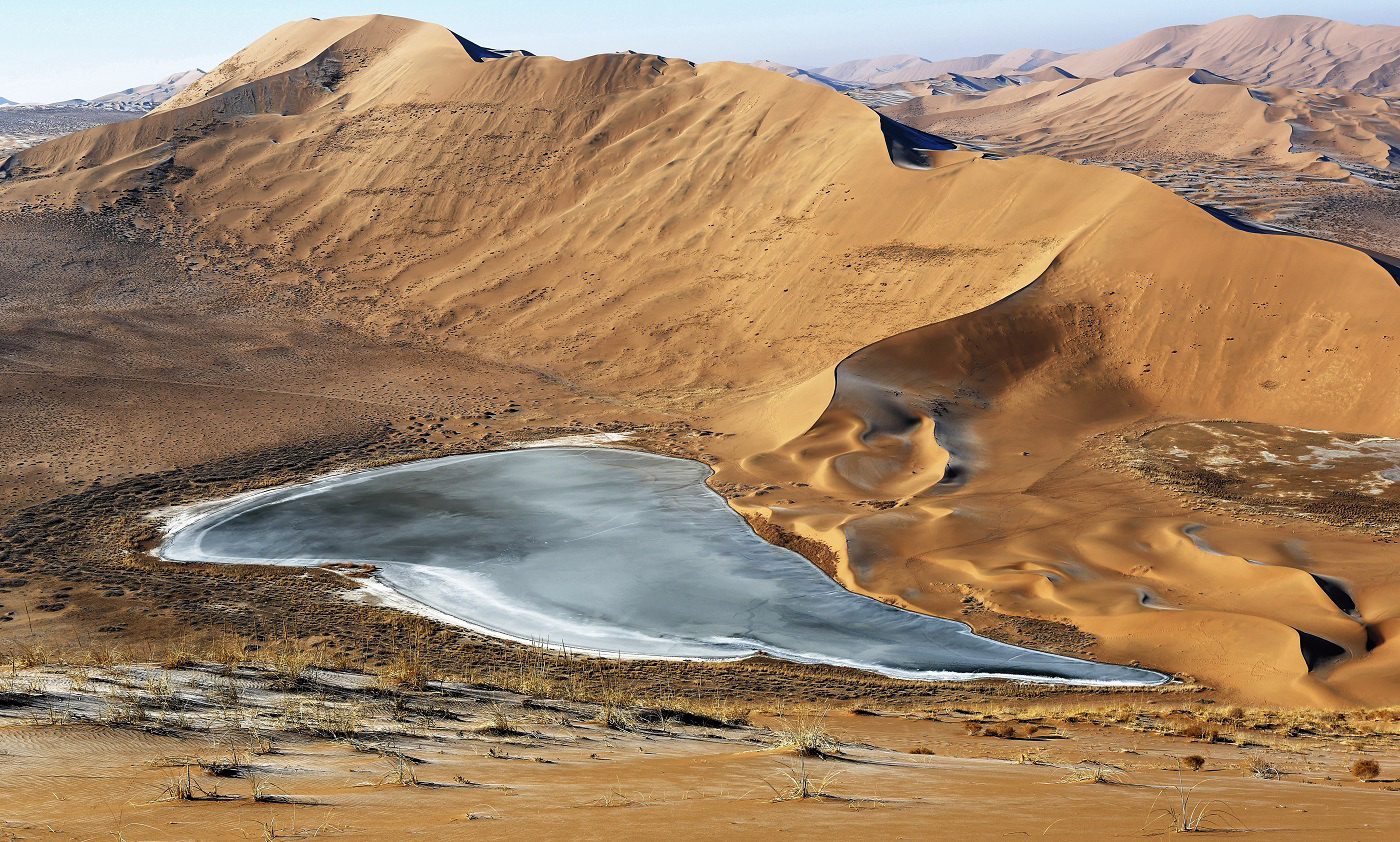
{"x":941,"y":375}
{"x":241,"y":751}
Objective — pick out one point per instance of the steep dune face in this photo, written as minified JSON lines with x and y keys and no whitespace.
{"x":1294,"y":51}
{"x":925,"y":366}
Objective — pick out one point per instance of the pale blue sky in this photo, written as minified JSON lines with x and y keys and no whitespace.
{"x":58,"y":49}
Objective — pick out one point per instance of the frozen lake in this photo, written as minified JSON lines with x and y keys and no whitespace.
{"x":613,"y":551}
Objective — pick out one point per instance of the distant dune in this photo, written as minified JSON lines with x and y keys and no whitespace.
{"x":146,"y":97}
{"x":24,"y":125}
{"x":806,"y":75}
{"x":1169,"y":114}
{"x":941,"y":375}
{"x":1293,"y":51}
{"x":906,"y":68}
{"x":1290,"y":50}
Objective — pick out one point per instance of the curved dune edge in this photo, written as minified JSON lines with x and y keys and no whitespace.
{"x":1146,"y":583}
{"x":707,"y":243}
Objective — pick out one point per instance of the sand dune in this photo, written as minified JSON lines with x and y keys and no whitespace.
{"x":146,"y":97}
{"x":907,"y":68}
{"x":1168,"y":114}
{"x":1294,"y":51}
{"x":937,"y":372}
{"x":26,"y":125}
{"x":1316,"y":160}
{"x":805,"y":75}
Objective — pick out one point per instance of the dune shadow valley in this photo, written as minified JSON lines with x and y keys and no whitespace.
{"x":402,"y":437}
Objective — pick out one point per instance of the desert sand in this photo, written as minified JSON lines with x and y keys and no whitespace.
{"x":653,"y":251}
{"x":219,"y":751}
{"x":1045,"y":399}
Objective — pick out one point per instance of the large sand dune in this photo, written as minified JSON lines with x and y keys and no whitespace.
{"x":934,"y":372}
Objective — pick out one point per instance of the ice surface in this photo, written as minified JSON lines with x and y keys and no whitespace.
{"x":603,"y":550}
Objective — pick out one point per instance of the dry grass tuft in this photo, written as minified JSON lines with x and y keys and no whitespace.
{"x":1366,"y":770}
{"x":1192,"y":762}
{"x":498,"y":724}
{"x":411,"y":668}
{"x":262,"y":791}
{"x":807,"y":736}
{"x":1189,"y":814}
{"x":1204,"y":733}
{"x":1091,"y":772}
{"x":1261,"y":767}
{"x":1002,"y":730}
{"x":186,"y":788}
{"x":400,"y":773}
{"x":801,"y":785}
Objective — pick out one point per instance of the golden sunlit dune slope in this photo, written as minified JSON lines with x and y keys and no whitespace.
{"x":713,"y":241}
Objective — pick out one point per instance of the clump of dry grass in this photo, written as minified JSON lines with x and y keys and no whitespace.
{"x":1366,"y":770}
{"x":411,"y":667}
{"x":186,"y":788}
{"x":176,"y":659}
{"x":289,"y":661}
{"x":498,"y":724}
{"x":1002,"y":730}
{"x":1192,"y":762}
{"x":400,"y":772}
{"x":807,"y":736}
{"x":802,"y":785}
{"x":232,"y":765}
{"x":1189,"y":814}
{"x":616,"y":717}
{"x":1261,"y":767}
{"x":322,"y":719}
{"x":921,"y":749}
{"x":1204,"y":733}
{"x":1091,"y":772}
{"x":263,"y":792}
{"x":707,"y":712}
